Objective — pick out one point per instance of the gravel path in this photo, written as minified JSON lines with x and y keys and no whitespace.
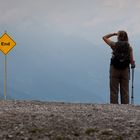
{"x":35,"y":120}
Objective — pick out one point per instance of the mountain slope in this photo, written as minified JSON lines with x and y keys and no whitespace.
{"x":57,"y":68}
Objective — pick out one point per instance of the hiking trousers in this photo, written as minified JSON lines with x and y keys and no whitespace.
{"x":119,"y":83}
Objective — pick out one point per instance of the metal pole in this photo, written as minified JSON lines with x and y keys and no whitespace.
{"x":5,"y":77}
{"x":132,"y":94}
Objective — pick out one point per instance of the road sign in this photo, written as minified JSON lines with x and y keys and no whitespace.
{"x":6,"y":43}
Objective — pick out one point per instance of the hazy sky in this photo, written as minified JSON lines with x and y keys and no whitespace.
{"x":88,"y":19}
{"x":31,"y":22}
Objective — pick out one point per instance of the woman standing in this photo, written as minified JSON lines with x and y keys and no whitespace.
{"x":122,"y":57}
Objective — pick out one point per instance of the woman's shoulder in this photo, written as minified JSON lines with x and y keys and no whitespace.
{"x":112,"y":44}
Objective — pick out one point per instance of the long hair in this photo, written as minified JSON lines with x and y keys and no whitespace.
{"x":122,"y":36}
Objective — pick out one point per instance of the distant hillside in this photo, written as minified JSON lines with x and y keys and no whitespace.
{"x":51,"y":66}
{"x":58,"y":67}
{"x":35,"y":120}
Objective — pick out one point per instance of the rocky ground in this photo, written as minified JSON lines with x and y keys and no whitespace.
{"x":34,"y":120}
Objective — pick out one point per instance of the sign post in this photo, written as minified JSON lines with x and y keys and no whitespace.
{"x":5,"y":76}
{"x":6,"y":44}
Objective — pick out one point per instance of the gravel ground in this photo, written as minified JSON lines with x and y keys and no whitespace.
{"x":35,"y":120}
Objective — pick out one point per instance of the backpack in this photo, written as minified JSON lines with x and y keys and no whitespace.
{"x":121,"y":55}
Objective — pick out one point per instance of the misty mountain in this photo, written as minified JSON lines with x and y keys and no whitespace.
{"x":55,"y":67}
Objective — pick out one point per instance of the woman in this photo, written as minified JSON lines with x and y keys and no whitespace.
{"x":119,"y":78}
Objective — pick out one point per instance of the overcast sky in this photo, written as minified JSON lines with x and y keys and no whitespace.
{"x":34,"y":20}
{"x":88,"y":19}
